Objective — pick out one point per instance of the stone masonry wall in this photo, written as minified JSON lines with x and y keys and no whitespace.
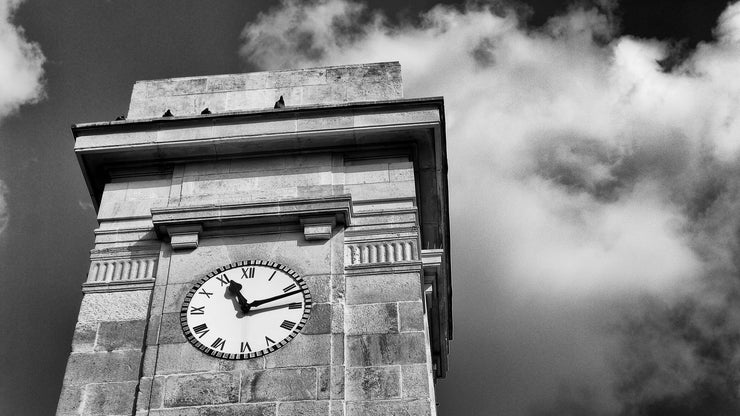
{"x":104,"y":365}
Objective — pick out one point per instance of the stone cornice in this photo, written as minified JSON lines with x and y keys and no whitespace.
{"x":317,"y":216}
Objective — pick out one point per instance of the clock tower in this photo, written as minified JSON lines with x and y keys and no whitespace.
{"x":270,"y":243}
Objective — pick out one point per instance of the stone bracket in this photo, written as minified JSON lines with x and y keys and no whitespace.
{"x":184,"y":237}
{"x":436,"y":298}
{"x":185,"y":225}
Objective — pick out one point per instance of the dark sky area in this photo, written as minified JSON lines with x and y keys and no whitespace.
{"x":95,"y":51}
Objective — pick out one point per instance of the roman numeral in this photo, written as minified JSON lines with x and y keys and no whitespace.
{"x":203,"y":292}
{"x":248,"y":273}
{"x":272,"y":275}
{"x":197,"y":310}
{"x":268,"y":341}
{"x":245,"y":346}
{"x":223,"y":279}
{"x":289,"y":288}
{"x":200,"y":330}
{"x":294,"y":305}
{"x":287,"y":325}
{"x":219,"y":343}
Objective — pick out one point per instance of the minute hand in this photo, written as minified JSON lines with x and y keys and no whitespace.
{"x":263,"y":301}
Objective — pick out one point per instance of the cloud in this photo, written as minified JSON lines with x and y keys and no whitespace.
{"x":21,"y":75}
{"x":20,"y":63}
{"x":593,"y":197}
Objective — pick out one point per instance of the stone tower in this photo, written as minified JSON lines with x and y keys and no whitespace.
{"x":344,"y":190}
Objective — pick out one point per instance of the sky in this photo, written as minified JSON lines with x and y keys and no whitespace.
{"x":593,"y":180}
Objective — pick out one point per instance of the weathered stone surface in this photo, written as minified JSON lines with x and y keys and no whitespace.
{"x":69,"y":399}
{"x":386,"y":349}
{"x":184,"y":358}
{"x":372,"y":318}
{"x":109,"y":398}
{"x":241,"y":409}
{"x":337,"y":318}
{"x":383,"y":288}
{"x":411,"y":316}
{"x":115,"y":306}
{"x":279,"y":384}
{"x":170,"y":329}
{"x":337,"y":382}
{"x":415,"y":380}
{"x":260,"y":90}
{"x":84,"y":336}
{"x":337,"y":348}
{"x":389,"y":408}
{"x":120,"y":335}
{"x":320,"y":319}
{"x":201,"y":389}
{"x":303,"y":350}
{"x":373,"y":383}
{"x":319,"y":287}
{"x":312,"y":408}
{"x":101,"y":367}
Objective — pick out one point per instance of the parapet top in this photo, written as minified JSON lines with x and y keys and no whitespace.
{"x":260,"y":90}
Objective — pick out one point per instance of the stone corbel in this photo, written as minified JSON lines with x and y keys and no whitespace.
{"x":318,"y":228}
{"x":184,"y":237}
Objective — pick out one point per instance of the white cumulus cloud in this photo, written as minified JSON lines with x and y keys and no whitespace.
{"x":21,"y":73}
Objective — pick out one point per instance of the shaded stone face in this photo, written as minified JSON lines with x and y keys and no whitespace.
{"x":328,"y":189}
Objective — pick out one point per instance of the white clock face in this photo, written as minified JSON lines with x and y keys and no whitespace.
{"x":245,"y":310}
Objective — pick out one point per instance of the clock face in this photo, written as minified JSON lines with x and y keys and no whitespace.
{"x":245,"y":310}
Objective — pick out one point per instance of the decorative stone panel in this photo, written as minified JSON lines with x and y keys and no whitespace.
{"x":121,"y":273}
{"x":393,"y":251}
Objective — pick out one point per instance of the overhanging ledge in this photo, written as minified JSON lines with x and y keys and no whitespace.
{"x":183,"y":225}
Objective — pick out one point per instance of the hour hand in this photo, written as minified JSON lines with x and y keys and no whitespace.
{"x":235,"y":289}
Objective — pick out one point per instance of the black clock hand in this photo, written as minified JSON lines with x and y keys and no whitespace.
{"x":263,"y":301}
{"x":235,"y":289}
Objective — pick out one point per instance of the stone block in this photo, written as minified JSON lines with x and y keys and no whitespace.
{"x":69,"y":399}
{"x":324,"y":382}
{"x":389,"y":408}
{"x":120,"y":335}
{"x":312,"y":408}
{"x":114,"y":306}
{"x":320,"y":320}
{"x":386,"y":349}
{"x":381,"y":190}
{"x":144,"y":394}
{"x":336,"y":408}
{"x":401,"y":171}
{"x":337,"y":318}
{"x":102,"y":367}
{"x":287,"y":384}
{"x":360,"y":174}
{"x":201,"y":389}
{"x":109,"y":398}
{"x":184,"y":358}
{"x":337,"y":348}
{"x":373,"y":383}
{"x":415,"y":381}
{"x":174,"y":296}
{"x":241,"y":409}
{"x":383,"y":288}
{"x":337,"y":382}
{"x":170,"y":329}
{"x":303,"y":350}
{"x":338,"y":280}
{"x":257,"y":363}
{"x":371,"y":318}
{"x":83,"y":339}
{"x":411,"y":316}
{"x":319,"y":287}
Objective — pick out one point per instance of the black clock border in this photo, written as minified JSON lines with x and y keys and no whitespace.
{"x":296,"y":330}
